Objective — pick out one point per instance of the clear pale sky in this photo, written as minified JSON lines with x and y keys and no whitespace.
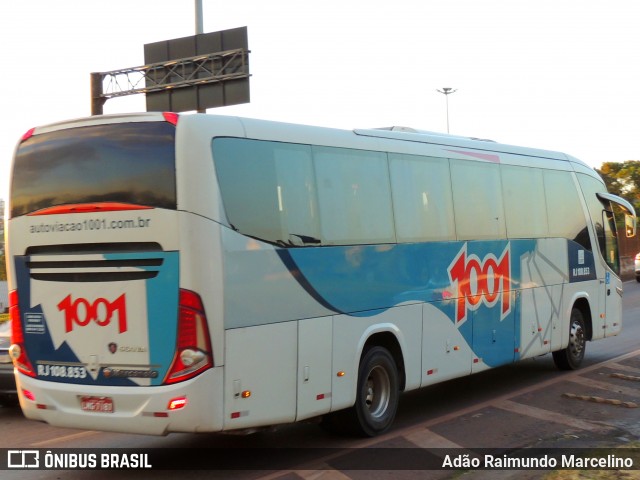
{"x":555,"y":74}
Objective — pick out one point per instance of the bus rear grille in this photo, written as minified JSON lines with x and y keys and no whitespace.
{"x":87,"y":262}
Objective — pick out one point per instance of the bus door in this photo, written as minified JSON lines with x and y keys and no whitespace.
{"x":611,"y":294}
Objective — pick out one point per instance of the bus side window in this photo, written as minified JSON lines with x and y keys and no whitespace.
{"x":354,"y":196}
{"x":564,"y":211}
{"x":524,"y":202}
{"x":422,"y":201}
{"x":477,"y":200}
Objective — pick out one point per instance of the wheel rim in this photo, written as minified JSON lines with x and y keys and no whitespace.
{"x":576,"y":340}
{"x":377,"y":392}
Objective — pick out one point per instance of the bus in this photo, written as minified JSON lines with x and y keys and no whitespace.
{"x":203,"y":273}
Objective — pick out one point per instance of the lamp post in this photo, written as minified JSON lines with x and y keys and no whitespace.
{"x":446,"y":92}
{"x":199,"y":19}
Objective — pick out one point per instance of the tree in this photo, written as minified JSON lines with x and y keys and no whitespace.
{"x":3,"y":268}
{"x":623,"y":179}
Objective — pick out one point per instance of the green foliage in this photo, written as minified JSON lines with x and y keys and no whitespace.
{"x":623,"y":179}
{"x":3,"y":268}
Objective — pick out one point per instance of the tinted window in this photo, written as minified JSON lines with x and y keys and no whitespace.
{"x":477,"y":199}
{"x":297,"y":195}
{"x":422,"y":202}
{"x":354,"y":196}
{"x":524,"y":202}
{"x":564,"y":209}
{"x":268,"y":189}
{"x":124,"y":162}
{"x":601,"y":220}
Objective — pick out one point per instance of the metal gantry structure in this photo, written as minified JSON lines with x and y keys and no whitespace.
{"x":156,"y":77}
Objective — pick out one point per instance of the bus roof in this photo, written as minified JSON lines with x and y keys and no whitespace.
{"x":422,"y":136}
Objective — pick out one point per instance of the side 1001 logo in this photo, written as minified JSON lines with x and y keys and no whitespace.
{"x":481,"y":281}
{"x":102,"y":312}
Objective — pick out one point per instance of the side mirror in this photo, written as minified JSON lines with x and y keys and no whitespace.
{"x":630,"y":225}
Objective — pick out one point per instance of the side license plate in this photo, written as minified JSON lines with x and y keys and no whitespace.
{"x":97,"y":404}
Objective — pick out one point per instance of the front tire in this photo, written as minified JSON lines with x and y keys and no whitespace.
{"x":571,"y":357}
{"x":378,"y":392}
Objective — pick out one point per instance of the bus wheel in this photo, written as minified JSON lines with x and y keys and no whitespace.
{"x":571,"y":357}
{"x":378,"y":392}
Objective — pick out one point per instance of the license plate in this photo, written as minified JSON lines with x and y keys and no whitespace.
{"x":97,"y":404}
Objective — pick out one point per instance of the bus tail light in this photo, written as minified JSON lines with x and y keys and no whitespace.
{"x":17,"y":350}
{"x":171,"y":117}
{"x":28,"y":134}
{"x":193,"y":347}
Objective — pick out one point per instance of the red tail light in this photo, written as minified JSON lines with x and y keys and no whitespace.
{"x":17,"y":350}
{"x":193,"y":347}
{"x":171,"y":117}
{"x":28,"y":134}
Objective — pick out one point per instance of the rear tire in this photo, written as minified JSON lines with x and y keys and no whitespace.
{"x":378,"y":392}
{"x":571,"y":357}
{"x":376,"y":398}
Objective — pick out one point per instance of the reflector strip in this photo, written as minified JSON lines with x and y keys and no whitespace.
{"x":177,"y":403}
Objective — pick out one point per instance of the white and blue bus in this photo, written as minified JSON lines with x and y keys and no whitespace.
{"x":187,"y":273}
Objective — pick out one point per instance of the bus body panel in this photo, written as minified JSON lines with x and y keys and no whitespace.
{"x":260,"y":375}
{"x":136,"y":410}
{"x":445,"y":352}
{"x":351,"y":333}
{"x":202,"y":246}
{"x":314,"y":393}
{"x":118,"y":295}
{"x":256,"y":271}
{"x":613,"y":305}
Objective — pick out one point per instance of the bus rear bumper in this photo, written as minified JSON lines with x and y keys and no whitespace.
{"x":197,"y":405}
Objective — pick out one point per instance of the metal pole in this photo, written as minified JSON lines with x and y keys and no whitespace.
{"x":97,"y":101}
{"x":447,"y":91}
{"x":447,"y":100}
{"x":199,"y":19}
{"x":199,"y":31}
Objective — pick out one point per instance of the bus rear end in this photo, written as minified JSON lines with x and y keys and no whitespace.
{"x":103,"y":335}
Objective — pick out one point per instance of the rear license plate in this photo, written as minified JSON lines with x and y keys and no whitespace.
{"x":97,"y":404}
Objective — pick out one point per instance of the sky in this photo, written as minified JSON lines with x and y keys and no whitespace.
{"x":555,"y":74}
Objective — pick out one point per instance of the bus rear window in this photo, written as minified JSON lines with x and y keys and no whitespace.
{"x":123,"y":162}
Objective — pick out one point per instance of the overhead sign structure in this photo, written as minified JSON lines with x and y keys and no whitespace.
{"x":190,"y":73}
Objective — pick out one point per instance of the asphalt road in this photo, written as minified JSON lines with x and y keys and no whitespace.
{"x":522,"y":405}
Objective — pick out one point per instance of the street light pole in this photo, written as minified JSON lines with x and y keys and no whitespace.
{"x":199,"y":19}
{"x":199,"y":31}
{"x":447,"y":92}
